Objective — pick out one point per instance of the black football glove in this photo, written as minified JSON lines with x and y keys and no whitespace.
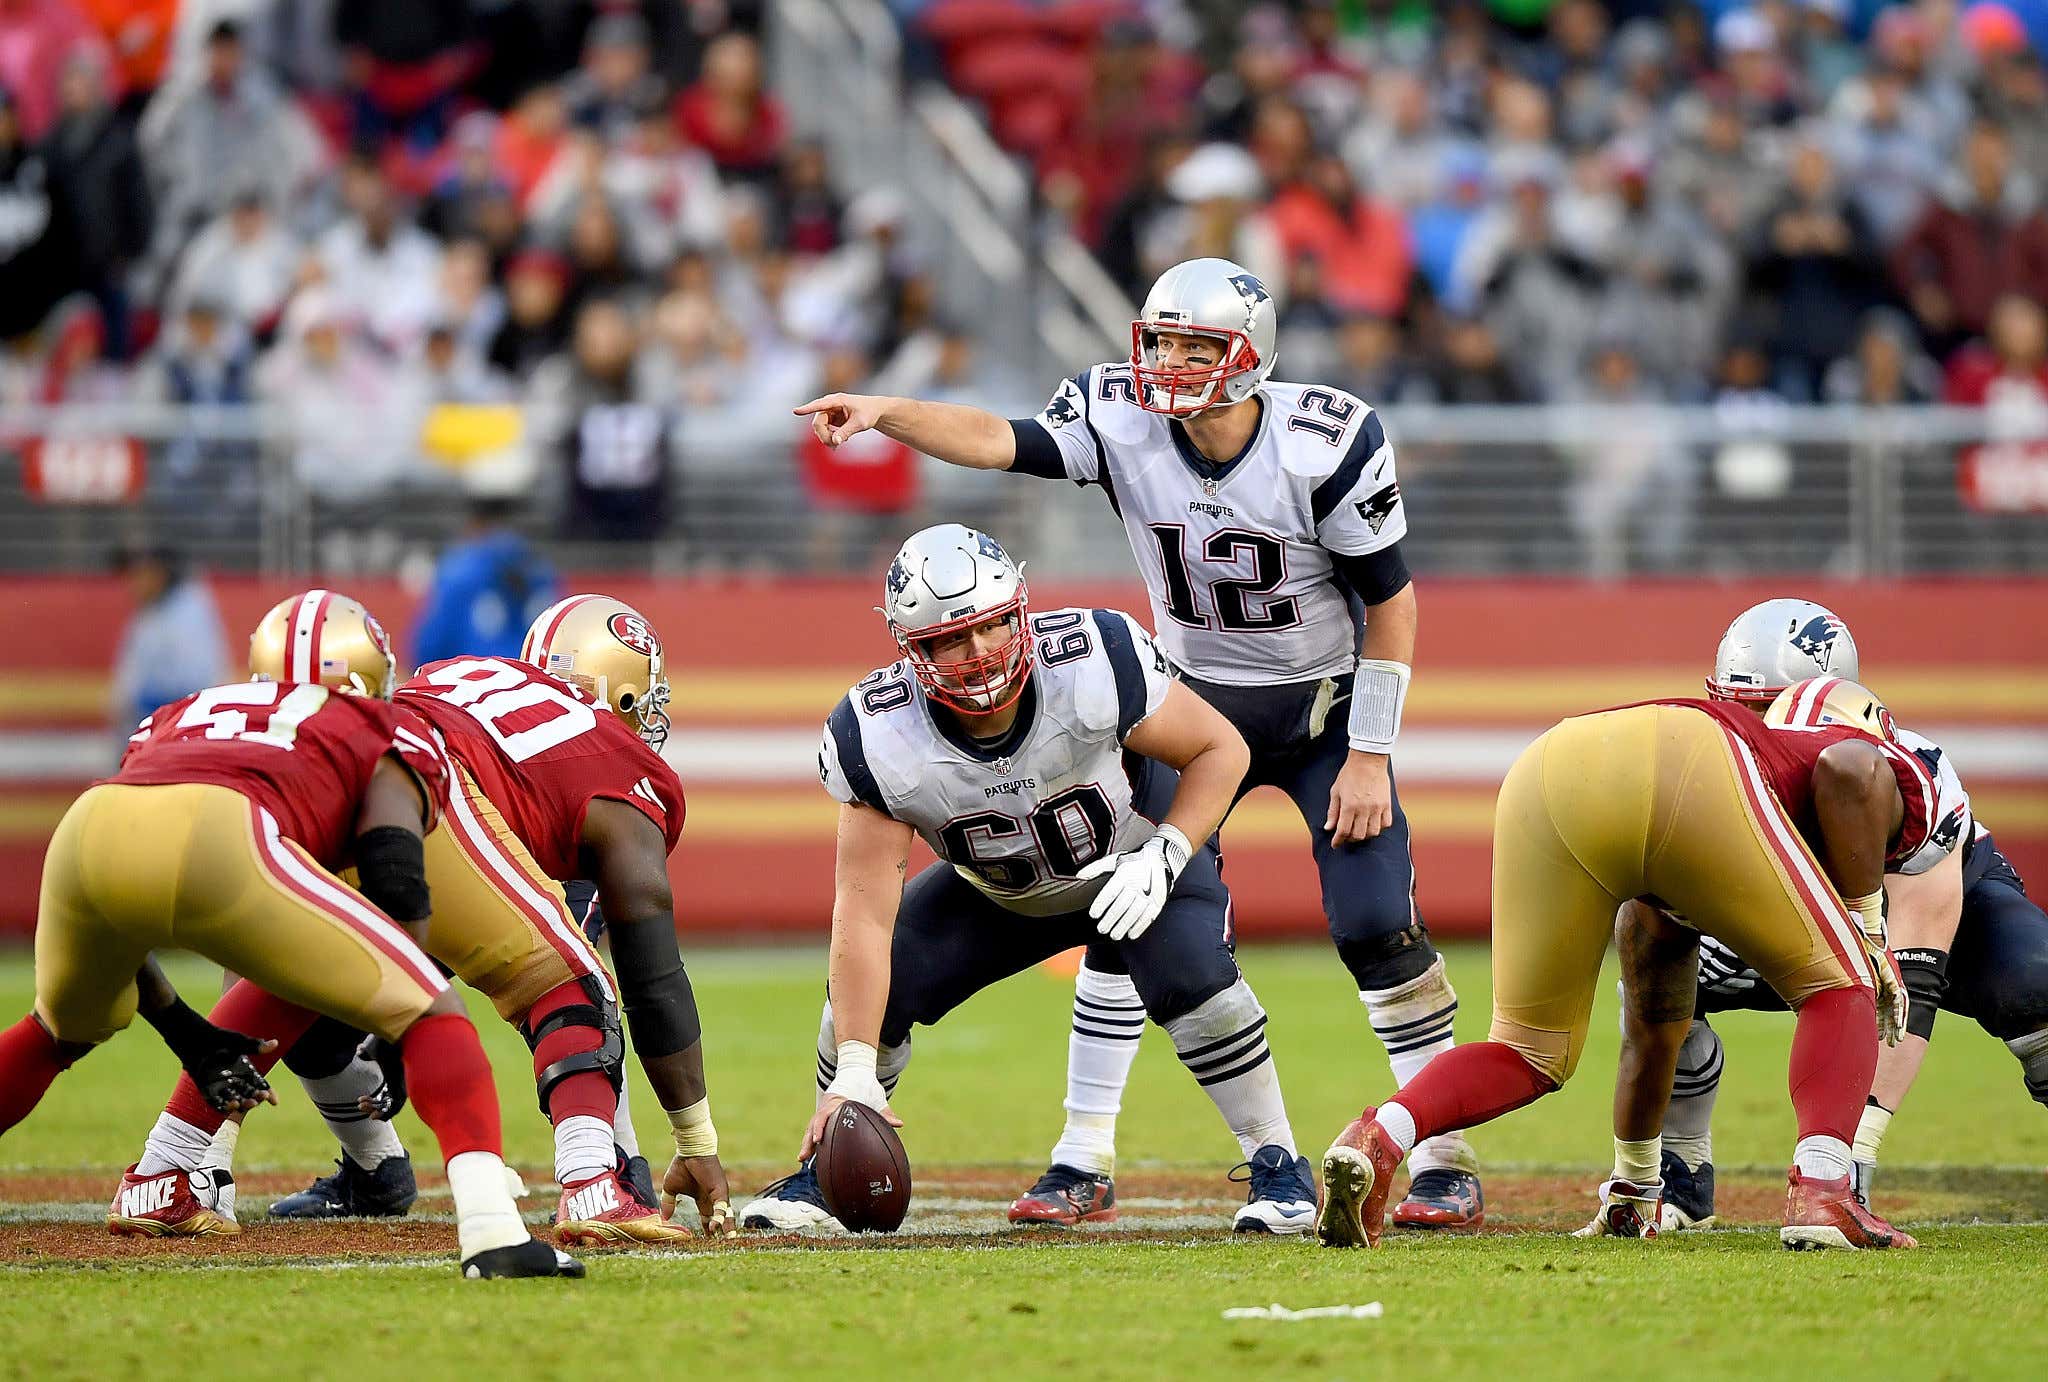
{"x":390,"y":1097}
{"x":216,"y":1059}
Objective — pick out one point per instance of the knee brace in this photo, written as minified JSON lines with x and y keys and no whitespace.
{"x":1925,"y":971}
{"x":326,"y":1049}
{"x":1390,"y":960}
{"x":1223,"y":1038}
{"x":1417,"y":1013}
{"x":599,"y":1014}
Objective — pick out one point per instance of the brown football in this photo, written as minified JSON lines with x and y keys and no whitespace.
{"x":862,"y":1171}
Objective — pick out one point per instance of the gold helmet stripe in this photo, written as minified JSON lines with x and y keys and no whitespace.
{"x":307,"y":621}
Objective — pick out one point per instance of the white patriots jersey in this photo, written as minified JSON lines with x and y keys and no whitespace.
{"x":1721,"y":968}
{"x":1021,"y":820}
{"x":1238,"y":562}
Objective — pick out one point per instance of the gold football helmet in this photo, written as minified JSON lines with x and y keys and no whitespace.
{"x":1831,"y":701}
{"x":606,"y":647}
{"x":320,"y":636}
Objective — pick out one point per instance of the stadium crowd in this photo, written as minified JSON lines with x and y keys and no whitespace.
{"x":362,"y":209}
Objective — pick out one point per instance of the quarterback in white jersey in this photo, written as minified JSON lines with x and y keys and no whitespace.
{"x":1266,"y":519}
{"x":1037,"y":755}
{"x":1966,"y":936}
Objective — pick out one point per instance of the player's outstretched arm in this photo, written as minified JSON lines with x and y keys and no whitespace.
{"x":628,"y":857}
{"x":951,"y":432}
{"x":873,"y":857}
{"x":216,"y":1059}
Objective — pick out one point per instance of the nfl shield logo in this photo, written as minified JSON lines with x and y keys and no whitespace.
{"x":1209,"y":488}
{"x":1002,"y":766}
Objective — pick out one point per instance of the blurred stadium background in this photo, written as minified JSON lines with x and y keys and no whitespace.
{"x":454,"y":303}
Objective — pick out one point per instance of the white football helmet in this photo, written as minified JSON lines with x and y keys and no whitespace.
{"x":1205,"y":297}
{"x":1772,"y":645}
{"x":946,"y":579}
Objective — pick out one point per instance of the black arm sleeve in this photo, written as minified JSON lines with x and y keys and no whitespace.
{"x":1037,"y":453}
{"x":1376,"y":577}
{"x":654,"y":988}
{"x":391,"y":870}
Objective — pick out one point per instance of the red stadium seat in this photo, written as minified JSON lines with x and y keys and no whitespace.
{"x":954,"y":24}
{"x":1033,"y":125}
{"x":1080,"y":21}
{"x":1003,"y":69}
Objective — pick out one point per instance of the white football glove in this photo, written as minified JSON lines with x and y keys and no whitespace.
{"x":1891,"y":985}
{"x":1139,"y":882}
{"x":1626,"y":1211}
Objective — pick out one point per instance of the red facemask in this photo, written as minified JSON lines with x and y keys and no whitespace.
{"x":1202,"y":388}
{"x":975,"y":685}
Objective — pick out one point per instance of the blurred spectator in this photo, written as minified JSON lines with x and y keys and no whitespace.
{"x":1373,"y":360}
{"x":697,"y":354}
{"x":1889,"y":152}
{"x":244,"y":262}
{"x":488,"y":585}
{"x":1361,"y":245}
{"x":2015,"y":95}
{"x":214,"y":133}
{"x":612,"y":436}
{"x":858,"y":490}
{"x":97,"y":174}
{"x":174,"y":643}
{"x":403,"y":62}
{"x":1438,"y":226}
{"x":36,"y":238}
{"x":37,"y":39}
{"x":2007,"y":373}
{"x":379,"y":261}
{"x":1282,"y":142}
{"x":607,"y":94}
{"x":469,"y":183}
{"x":1132,"y":249}
{"x":138,"y":35}
{"x":1538,"y":293}
{"x":601,"y":262}
{"x":1829,"y":57}
{"x":1814,"y":267}
{"x":466,"y":302}
{"x":1642,"y":63}
{"x":1888,"y":368}
{"x":203,"y":358}
{"x":1984,"y":238}
{"x":807,"y":211}
{"x":536,"y":324}
{"x":1669,"y":280}
{"x":1261,"y":69}
{"x":1326,"y":79}
{"x":76,"y":368}
{"x":671,"y":189}
{"x":1132,"y":92}
{"x":1576,"y":72}
{"x":530,"y":137}
{"x":441,"y":371}
{"x":349,"y":445}
{"x":1754,"y":74}
{"x":1719,"y":165}
{"x":1631,"y":490}
{"x":729,"y":114}
{"x":1467,"y":367}
{"x":1218,"y":185}
{"x":1398,"y":149}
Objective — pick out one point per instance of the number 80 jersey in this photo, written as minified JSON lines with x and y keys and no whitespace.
{"x":541,"y":750}
{"x":1018,"y":818}
{"x":1237,"y":557}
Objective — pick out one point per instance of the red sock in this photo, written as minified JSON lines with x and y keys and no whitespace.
{"x":1834,"y":1056}
{"x":589,"y":1094}
{"x":1469,"y":1085}
{"x":450,"y":1083}
{"x":249,"y":1010}
{"x":29,"y":1059}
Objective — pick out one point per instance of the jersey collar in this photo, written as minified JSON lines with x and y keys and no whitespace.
{"x":1212,"y":474}
{"x":987,"y":751}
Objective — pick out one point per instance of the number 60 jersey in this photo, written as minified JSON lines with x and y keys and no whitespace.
{"x":541,"y":750}
{"x":1020,"y":817}
{"x":1238,"y":558}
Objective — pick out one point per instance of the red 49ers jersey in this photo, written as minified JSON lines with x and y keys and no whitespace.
{"x":302,"y":752}
{"x":542,"y":750}
{"x":1786,"y":755}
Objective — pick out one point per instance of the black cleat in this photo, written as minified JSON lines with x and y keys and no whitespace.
{"x":1688,"y":1194}
{"x":531,"y":1258}
{"x":351,"y":1192}
{"x":639,"y":1178}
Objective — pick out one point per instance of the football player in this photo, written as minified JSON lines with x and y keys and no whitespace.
{"x":557,"y":777}
{"x":1067,"y":784}
{"x":1772,"y":837}
{"x":222,"y":834}
{"x":1267,"y":523}
{"x":1968,"y":938}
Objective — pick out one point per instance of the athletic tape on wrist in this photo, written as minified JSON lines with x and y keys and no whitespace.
{"x":1378,"y":692}
{"x":695,"y":1135}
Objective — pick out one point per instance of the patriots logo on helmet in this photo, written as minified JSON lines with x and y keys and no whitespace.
{"x":990,"y":548}
{"x":1250,"y":289}
{"x":898,"y":578}
{"x":632,"y":630}
{"x":1379,"y":508}
{"x":1816,"y":638}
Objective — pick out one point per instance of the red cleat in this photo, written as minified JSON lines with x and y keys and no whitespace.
{"x":604,"y":1210}
{"x":1358,"y":1171}
{"x":1442,"y":1197}
{"x":174,"y":1204}
{"x":1065,"y":1196}
{"x":1825,"y":1214}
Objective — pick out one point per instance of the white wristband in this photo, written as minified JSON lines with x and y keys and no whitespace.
{"x":1378,"y":692}
{"x":855,"y":1079}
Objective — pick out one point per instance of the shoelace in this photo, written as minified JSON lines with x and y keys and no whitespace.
{"x":1435,"y":1183}
{"x":803,"y":1185}
{"x":1271,"y":1181}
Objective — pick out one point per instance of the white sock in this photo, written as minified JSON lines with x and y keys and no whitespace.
{"x":1223,"y":1045}
{"x":622,"y":1122}
{"x":1689,"y":1122}
{"x":485,"y":1216}
{"x":1398,"y":1123}
{"x":1413,"y":1021}
{"x":368,"y":1141}
{"x":1109,"y":1018}
{"x":1639,"y":1161}
{"x":221,"y":1155}
{"x":1821,"y":1158}
{"x":583,"y":1148}
{"x":173,"y":1145}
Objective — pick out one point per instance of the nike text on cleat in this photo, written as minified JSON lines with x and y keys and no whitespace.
{"x":174,"y":1204}
{"x":1065,"y":1196}
{"x":791,"y":1205}
{"x":1441,"y":1197}
{"x":531,"y":1258}
{"x":604,"y":1209}
{"x":351,"y":1192}
{"x":1688,"y":1194}
{"x":1358,"y":1172}
{"x":1824,"y":1214}
{"x":1282,"y":1198}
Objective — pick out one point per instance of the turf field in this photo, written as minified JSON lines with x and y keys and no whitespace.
{"x":956,"y":1295}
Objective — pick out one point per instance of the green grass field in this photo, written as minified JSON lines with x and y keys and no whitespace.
{"x":963,"y":1299}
